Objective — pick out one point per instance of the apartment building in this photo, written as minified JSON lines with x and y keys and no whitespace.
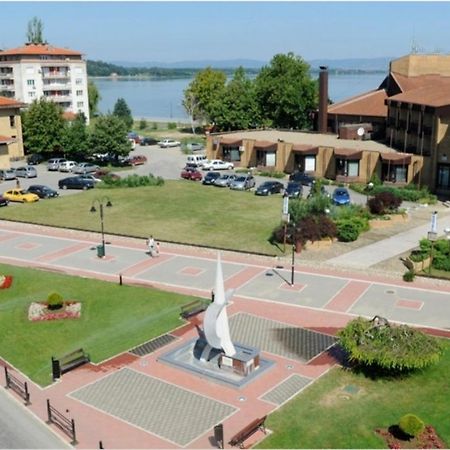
{"x":11,"y":144}
{"x":41,"y":70}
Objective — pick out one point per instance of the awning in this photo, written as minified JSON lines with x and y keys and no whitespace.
{"x":398,"y":159}
{"x":230,"y":140}
{"x":265,"y":145}
{"x":347,"y":153}
{"x":305,"y":149}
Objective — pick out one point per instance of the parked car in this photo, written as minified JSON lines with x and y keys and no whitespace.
{"x":210,"y":177}
{"x":91,"y":177}
{"x":26,"y":172}
{"x":34,"y":159}
{"x":197,"y":160}
{"x":217,"y":164}
{"x":149,"y":141}
{"x":193,"y":174}
{"x":53,"y":163}
{"x":165,"y":143}
{"x":20,"y":195}
{"x":195,"y":146}
{"x":225,"y":180}
{"x":75,"y":183}
{"x":3,"y":201}
{"x":42,"y":191}
{"x":103,"y":173}
{"x":243,"y":182}
{"x":137,"y":160}
{"x":7,"y":174}
{"x":84,"y":168}
{"x":302,"y":177}
{"x":294,"y":189}
{"x":132,"y":135}
{"x":341,"y":196}
{"x":67,"y":166}
{"x":269,"y":188}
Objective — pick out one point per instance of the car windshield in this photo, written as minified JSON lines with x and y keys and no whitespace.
{"x":240,"y":179}
{"x":293,"y":186}
{"x":341,"y":193}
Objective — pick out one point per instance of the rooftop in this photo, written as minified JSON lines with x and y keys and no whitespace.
{"x":6,"y":102}
{"x":40,"y":49}
{"x":368,"y":104}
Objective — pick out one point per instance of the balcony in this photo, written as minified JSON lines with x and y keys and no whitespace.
{"x":7,"y":87}
{"x":55,"y":75}
{"x":55,"y":86}
{"x":6,"y":75}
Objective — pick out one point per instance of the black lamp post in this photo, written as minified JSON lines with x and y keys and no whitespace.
{"x":101,"y":203}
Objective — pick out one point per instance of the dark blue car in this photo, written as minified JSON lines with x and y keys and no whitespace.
{"x":341,"y":196}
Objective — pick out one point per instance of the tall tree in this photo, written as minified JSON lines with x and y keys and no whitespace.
{"x":43,"y":127}
{"x":238,"y":109}
{"x":94,"y":98}
{"x":75,"y":137}
{"x":34,"y":32}
{"x":203,"y":96}
{"x":122,"y":111}
{"x":109,"y":135}
{"x":286,"y":93}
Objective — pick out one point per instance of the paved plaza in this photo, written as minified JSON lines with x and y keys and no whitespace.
{"x":136,"y":400}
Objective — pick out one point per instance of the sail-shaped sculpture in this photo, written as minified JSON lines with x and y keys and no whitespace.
{"x":215,"y":323}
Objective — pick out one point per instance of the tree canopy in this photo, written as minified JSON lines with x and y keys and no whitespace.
{"x":34,"y":31}
{"x":123,"y":112}
{"x":109,"y":135}
{"x":75,"y":136}
{"x":43,"y":127}
{"x":94,"y":97}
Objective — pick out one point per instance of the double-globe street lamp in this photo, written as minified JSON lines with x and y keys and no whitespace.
{"x":101,"y":202}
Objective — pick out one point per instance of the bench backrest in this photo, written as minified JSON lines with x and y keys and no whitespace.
{"x":246,"y":432}
{"x":77,"y":354}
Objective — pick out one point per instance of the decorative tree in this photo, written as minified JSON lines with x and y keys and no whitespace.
{"x":94,"y":98}
{"x":34,"y":32}
{"x":122,"y":111}
{"x":43,"y":127}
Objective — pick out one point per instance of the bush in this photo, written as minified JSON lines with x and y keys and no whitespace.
{"x":409,"y":275}
{"x":389,"y":347}
{"x":272,"y":173}
{"x":347,"y":230}
{"x":384,"y":202}
{"x":55,"y":301}
{"x":154,"y":126}
{"x":441,"y":262}
{"x":132,"y":181}
{"x":142,"y":124}
{"x":172,"y":126}
{"x":411,"y":425}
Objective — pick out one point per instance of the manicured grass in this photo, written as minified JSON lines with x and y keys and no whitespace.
{"x":326,"y":416}
{"x":113,"y":319}
{"x":180,"y":211}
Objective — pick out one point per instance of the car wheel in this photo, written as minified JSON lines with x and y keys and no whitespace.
{"x":64,"y":186}
{"x":85,"y":188}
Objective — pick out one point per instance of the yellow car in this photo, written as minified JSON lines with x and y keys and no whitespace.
{"x":19,"y":195}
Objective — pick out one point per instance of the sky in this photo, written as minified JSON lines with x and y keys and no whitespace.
{"x":169,"y":31}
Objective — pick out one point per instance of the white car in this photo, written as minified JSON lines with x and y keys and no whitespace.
{"x":67,"y":166}
{"x":217,"y":164}
{"x":84,"y":168}
{"x":169,"y":143}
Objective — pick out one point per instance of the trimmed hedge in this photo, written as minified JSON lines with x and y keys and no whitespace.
{"x":411,"y":425}
{"x":131,"y":181}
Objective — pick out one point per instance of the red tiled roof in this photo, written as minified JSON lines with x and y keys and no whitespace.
{"x":6,"y":102}
{"x":40,"y":49}
{"x":429,"y":95}
{"x":368,"y":104}
{"x":408,"y":83}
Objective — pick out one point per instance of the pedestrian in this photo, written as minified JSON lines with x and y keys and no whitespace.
{"x":17,"y":183}
{"x":157,"y":249}
{"x":151,"y":245}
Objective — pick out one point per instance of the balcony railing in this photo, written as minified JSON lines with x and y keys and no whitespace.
{"x":54,"y":75}
{"x":7,"y":87}
{"x":55,"y":86}
{"x":6,"y":75}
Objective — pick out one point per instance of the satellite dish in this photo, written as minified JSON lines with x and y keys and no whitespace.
{"x":360,"y":131}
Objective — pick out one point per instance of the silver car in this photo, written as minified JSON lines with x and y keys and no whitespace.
{"x":243,"y":182}
{"x":7,"y":174}
{"x":26,"y":172}
{"x":84,"y":168}
{"x":225,"y":180}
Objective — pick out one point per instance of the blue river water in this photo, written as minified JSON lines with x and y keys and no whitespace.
{"x":161,"y":99}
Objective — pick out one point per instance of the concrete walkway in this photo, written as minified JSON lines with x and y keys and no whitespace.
{"x":375,"y":253}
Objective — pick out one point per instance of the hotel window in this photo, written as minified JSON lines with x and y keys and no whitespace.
{"x":80,"y":104}
{"x":31,"y":94}
{"x":12,"y":121}
{"x":347,"y":168}
{"x":79,"y":81}
{"x":30,"y":82}
{"x":310,"y":163}
{"x":80,"y":92}
{"x":231,"y":153}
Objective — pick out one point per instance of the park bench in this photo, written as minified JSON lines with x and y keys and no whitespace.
{"x":69,"y":362}
{"x":193,"y":308}
{"x":239,"y":438}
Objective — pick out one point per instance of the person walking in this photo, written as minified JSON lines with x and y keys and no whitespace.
{"x":151,"y":246}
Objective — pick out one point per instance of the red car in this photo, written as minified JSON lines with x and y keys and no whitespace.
{"x":138,"y":160}
{"x":190,"y":173}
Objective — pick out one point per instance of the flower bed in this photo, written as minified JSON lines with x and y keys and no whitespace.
{"x":39,"y":311}
{"x":5,"y":281}
{"x":394,"y":438}
{"x":388,"y":220}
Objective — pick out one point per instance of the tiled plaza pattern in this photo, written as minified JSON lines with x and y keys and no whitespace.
{"x":278,"y":338}
{"x":286,"y":390}
{"x":173,"y":413}
{"x":153,"y":345}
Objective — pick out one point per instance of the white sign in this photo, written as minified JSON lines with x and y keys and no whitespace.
{"x":434,"y":222}
{"x":286,"y":205}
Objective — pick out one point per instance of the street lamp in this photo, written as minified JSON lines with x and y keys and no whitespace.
{"x":101,"y":203}
{"x":369,"y":188}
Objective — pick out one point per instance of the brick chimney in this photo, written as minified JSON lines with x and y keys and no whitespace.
{"x":323,"y":99}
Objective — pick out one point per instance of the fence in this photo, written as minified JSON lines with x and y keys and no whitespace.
{"x":65,"y":424}
{"x":17,"y":386}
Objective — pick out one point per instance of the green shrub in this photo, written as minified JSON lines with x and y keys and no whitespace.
{"x":411,"y":425}
{"x":273,"y":174}
{"x":418,"y":256}
{"x":347,"y":230}
{"x":154,"y":126}
{"x":409,"y":275}
{"x":172,"y":126}
{"x":132,"y":181}
{"x":142,"y":124}
{"x":389,"y":347}
{"x":441,"y":262}
{"x":55,"y":301}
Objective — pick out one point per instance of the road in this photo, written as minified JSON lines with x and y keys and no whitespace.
{"x":20,"y":429}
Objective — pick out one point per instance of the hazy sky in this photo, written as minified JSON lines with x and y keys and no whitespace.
{"x":180,"y":31}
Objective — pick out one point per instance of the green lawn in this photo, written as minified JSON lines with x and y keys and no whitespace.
{"x":180,"y":211}
{"x":325,"y":416}
{"x":113,"y":319}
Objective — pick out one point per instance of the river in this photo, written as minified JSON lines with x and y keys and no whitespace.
{"x":160,"y":100}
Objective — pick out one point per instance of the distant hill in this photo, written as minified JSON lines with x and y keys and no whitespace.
{"x":354,"y":63}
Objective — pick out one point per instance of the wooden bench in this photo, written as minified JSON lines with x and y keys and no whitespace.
{"x":193,"y":308}
{"x":69,"y":362}
{"x":249,"y":430}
